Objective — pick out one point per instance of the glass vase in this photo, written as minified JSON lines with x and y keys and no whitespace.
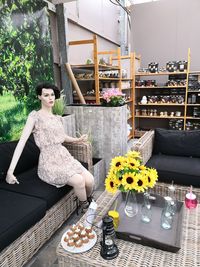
{"x":131,"y":205}
{"x":146,"y":209}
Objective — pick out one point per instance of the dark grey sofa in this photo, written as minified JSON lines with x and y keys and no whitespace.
{"x":32,"y":210}
{"x":175,"y":154}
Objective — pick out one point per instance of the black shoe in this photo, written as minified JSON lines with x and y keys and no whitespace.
{"x":83,"y":207}
{"x":90,"y":198}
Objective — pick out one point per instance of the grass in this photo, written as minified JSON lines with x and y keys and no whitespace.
{"x":12,"y":117}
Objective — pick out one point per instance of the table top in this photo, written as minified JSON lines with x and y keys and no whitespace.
{"x":136,"y":255}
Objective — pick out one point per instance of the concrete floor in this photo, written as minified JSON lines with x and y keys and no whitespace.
{"x":46,"y":256}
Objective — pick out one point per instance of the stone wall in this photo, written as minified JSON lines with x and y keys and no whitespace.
{"x":106,"y":127}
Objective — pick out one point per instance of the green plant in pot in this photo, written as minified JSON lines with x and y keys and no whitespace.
{"x":59,"y":105}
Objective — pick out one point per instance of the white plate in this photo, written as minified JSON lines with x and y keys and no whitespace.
{"x":83,"y":248}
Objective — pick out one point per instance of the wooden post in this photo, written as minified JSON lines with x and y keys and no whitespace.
{"x":74,"y":82}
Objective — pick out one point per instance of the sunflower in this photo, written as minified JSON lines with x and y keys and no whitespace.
{"x":133,"y":154}
{"x":118,"y":163}
{"x":142,"y":167}
{"x":133,"y":163}
{"x":129,"y":181}
{"x":141,"y":184}
{"x":110,"y":185}
{"x":152,"y":177}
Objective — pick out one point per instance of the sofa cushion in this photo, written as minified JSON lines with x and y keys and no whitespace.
{"x":182,"y":170}
{"x":28,"y":159}
{"x":18,"y":214}
{"x":177,"y":143}
{"x":30,"y":184}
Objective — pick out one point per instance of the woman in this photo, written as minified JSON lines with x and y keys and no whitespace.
{"x":56,"y":165}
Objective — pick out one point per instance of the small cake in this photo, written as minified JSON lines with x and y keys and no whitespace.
{"x":88,"y":229}
{"x":90,"y":235}
{"x":70,"y":233}
{"x":85,"y":240}
{"x":76,"y":237}
{"x":66,"y":238}
{"x":71,"y":243}
{"x":73,"y":227}
{"x":78,"y":244}
{"x":80,"y":226}
{"x":83,"y":233}
{"x":77,"y":231}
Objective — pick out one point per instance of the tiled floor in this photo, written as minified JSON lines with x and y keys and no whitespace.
{"x":46,"y":257}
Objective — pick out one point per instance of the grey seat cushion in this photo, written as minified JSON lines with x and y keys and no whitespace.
{"x":183,"y":170}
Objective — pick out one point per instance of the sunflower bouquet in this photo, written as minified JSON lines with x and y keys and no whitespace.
{"x":127,"y":173}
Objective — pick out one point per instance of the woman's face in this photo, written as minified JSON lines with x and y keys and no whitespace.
{"x":47,"y":98}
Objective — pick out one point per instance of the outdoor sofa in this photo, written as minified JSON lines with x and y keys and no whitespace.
{"x":32,"y":210}
{"x":175,"y":155}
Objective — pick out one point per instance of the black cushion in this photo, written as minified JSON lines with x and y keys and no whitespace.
{"x":17,"y":214}
{"x":182,"y":170}
{"x":28,"y":159}
{"x":177,"y":143}
{"x":30,"y":184}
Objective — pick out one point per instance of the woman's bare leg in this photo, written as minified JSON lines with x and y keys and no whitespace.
{"x":89,"y":182}
{"x":77,"y":181}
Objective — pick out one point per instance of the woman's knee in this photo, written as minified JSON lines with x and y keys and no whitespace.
{"x":77,"y":180}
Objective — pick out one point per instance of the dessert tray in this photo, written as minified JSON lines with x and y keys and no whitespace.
{"x":84,"y":246}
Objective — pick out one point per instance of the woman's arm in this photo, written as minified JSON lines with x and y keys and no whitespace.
{"x":10,"y":178}
{"x":81,"y":139}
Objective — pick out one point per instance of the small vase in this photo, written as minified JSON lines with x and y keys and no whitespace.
{"x":146,"y":209}
{"x":131,"y":206}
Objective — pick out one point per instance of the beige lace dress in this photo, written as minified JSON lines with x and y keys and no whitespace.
{"x":56,"y":164}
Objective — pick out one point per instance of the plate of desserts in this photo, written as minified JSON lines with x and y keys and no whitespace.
{"x":78,"y":238}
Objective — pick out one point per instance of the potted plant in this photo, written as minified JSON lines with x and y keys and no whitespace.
{"x":68,"y":119}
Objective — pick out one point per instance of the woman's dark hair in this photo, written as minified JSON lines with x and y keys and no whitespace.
{"x":40,"y":86}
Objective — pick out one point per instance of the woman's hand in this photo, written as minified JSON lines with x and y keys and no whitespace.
{"x":11,"y":179}
{"x":82,"y":139}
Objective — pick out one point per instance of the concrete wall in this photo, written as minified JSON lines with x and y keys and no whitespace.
{"x":164,"y":30}
{"x":99,"y":16}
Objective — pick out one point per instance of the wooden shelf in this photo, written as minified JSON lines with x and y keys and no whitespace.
{"x":197,"y":105}
{"x":161,"y":104}
{"x":146,"y":122}
{"x":128,"y":101}
{"x":160,"y":117}
{"x":84,"y":80}
{"x":194,"y":72}
{"x":159,"y":73}
{"x":91,"y":66}
{"x":193,"y":118}
{"x":109,"y":79}
{"x":159,"y":87}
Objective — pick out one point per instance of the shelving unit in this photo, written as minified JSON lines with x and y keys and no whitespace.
{"x":161,"y":113}
{"x":91,"y":72}
{"x":127,"y":84}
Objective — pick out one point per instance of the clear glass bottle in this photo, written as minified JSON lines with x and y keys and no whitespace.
{"x":146,"y":209}
{"x":167,"y":216}
{"x":172,"y":195}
